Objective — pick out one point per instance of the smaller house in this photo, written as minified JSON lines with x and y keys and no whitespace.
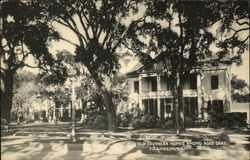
{"x":243,"y":108}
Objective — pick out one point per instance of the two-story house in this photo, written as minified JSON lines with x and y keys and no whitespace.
{"x":204,"y":89}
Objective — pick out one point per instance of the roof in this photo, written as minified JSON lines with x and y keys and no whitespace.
{"x":158,"y":64}
{"x":135,"y":68}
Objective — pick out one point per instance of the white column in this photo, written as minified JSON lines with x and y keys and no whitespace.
{"x":140,"y":92}
{"x":69,"y":109}
{"x":61,"y":109}
{"x":73,"y":133}
{"x":199,"y":94}
{"x":158,"y":95}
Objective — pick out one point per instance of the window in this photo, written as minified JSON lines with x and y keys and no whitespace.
{"x":165,"y":107}
{"x":165,"y":84}
{"x":193,"y":81}
{"x":136,"y":86}
{"x":168,"y":108}
{"x":191,"y":106}
{"x":214,"y":82}
{"x":150,"y":107}
{"x":149,"y":84}
{"x":153,"y":84}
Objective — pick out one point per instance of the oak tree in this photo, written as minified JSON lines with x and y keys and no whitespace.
{"x":99,"y":27}
{"x":24,"y":35}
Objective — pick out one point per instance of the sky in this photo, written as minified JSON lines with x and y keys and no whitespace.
{"x":241,"y":71}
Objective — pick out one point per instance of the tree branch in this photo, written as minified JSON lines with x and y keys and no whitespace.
{"x":82,"y":23}
{"x":66,"y":40}
{"x":133,"y":23}
{"x":79,"y":36}
{"x":241,"y":23}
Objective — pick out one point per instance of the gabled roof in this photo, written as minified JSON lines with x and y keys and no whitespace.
{"x":159,"y":64}
{"x":135,"y":68}
{"x":150,"y":67}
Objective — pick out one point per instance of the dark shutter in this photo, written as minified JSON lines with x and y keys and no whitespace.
{"x":154,"y":84}
{"x":136,"y":86}
{"x":151,"y":107}
{"x":162,"y":108}
{"x":186,"y":103}
{"x":214,"y":82}
{"x":146,"y":106}
{"x":193,"y":81}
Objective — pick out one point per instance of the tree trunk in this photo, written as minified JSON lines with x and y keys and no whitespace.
{"x":176,"y":110}
{"x":175,"y":103}
{"x":7,"y":94}
{"x":104,"y":84}
{"x":181,"y":106}
{"x":111,"y":112}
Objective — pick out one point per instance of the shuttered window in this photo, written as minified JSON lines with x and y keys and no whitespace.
{"x":214,"y":82}
{"x":136,"y":86}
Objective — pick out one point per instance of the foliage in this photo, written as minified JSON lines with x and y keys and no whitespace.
{"x":146,"y":121}
{"x":100,"y":122}
{"x":119,"y":90}
{"x":234,"y":120}
{"x":169,"y":124}
{"x":136,"y":112}
{"x":188,"y":122}
{"x":137,"y":123}
{"x":99,"y":30}
{"x":94,"y":106}
{"x":5,"y":128}
{"x":124,"y":119}
{"x":25,"y":35}
{"x":241,"y":98}
{"x":95,"y":112}
{"x":238,"y":84}
{"x":25,"y":92}
{"x":240,"y":90}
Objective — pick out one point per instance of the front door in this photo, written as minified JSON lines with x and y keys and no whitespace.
{"x":165,"y":107}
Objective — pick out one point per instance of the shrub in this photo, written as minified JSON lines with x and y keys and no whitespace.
{"x":136,"y":124}
{"x":136,"y":113}
{"x":234,"y":120}
{"x":65,"y":119}
{"x":5,"y":128}
{"x":169,"y":124}
{"x":161,"y":123}
{"x":143,"y":121}
{"x":147,"y":121}
{"x":137,"y":119}
{"x":188,"y":122}
{"x":90,"y":121}
{"x":123,"y":119}
{"x":4,"y":122}
{"x":228,"y":120}
{"x":151,"y":122}
{"x":213,"y":124}
{"x":100,"y":122}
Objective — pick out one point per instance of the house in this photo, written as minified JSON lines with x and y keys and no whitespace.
{"x":149,"y":89}
{"x":242,"y":108}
